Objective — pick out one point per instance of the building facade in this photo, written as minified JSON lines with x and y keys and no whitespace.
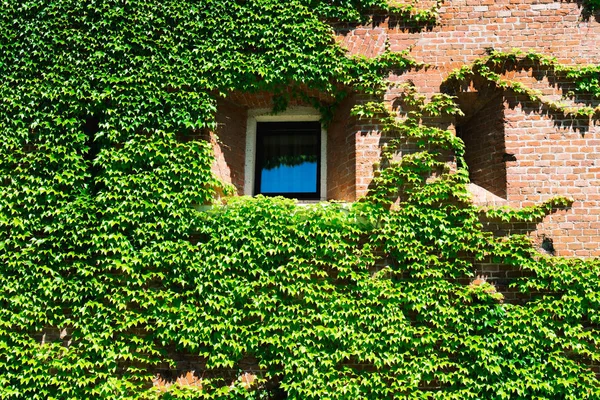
{"x":519,"y":152}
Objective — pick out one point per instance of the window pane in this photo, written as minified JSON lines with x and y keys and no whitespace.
{"x":288,"y":158}
{"x":284,"y":179}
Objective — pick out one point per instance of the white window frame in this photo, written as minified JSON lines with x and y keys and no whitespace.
{"x":292,"y":114}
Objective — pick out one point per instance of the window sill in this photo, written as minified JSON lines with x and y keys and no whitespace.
{"x":483,"y":197}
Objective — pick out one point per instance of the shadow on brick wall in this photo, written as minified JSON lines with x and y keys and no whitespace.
{"x":554,"y":85}
{"x":587,"y":12}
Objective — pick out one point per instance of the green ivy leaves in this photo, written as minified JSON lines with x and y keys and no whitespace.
{"x":109,"y":274}
{"x":490,"y":68}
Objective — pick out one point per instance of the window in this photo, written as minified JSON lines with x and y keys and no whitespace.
{"x":285,"y":155}
{"x":288,"y":158}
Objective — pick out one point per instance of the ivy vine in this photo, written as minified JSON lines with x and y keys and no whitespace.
{"x":586,"y":79}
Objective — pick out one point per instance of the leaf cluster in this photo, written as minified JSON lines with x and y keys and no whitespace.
{"x":584,"y":78}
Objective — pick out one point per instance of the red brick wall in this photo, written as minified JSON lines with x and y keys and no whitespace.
{"x":341,"y":154}
{"x":556,"y":158}
{"x":368,"y":151}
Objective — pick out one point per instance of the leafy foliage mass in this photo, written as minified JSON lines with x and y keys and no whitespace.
{"x":585,"y":80}
{"x":591,"y":6}
{"x":108,"y":271}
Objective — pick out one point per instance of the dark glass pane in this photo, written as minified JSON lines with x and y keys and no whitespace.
{"x":288,"y":158}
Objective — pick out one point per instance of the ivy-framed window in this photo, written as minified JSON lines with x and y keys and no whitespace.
{"x":285,"y":155}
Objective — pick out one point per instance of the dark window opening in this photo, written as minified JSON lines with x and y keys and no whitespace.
{"x":482,"y":131}
{"x":288,"y":159}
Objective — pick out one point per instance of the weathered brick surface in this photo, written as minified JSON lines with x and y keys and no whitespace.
{"x":341,"y":153}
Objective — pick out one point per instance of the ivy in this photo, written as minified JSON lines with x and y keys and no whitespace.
{"x":590,"y":7}
{"x":528,"y":214}
{"x":584,"y":78}
{"x":110,"y":273}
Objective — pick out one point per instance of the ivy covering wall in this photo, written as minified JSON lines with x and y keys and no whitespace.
{"x":108,"y":271}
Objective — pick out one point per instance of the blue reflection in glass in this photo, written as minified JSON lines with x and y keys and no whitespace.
{"x":300,"y":178}
{"x":287,"y":158}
